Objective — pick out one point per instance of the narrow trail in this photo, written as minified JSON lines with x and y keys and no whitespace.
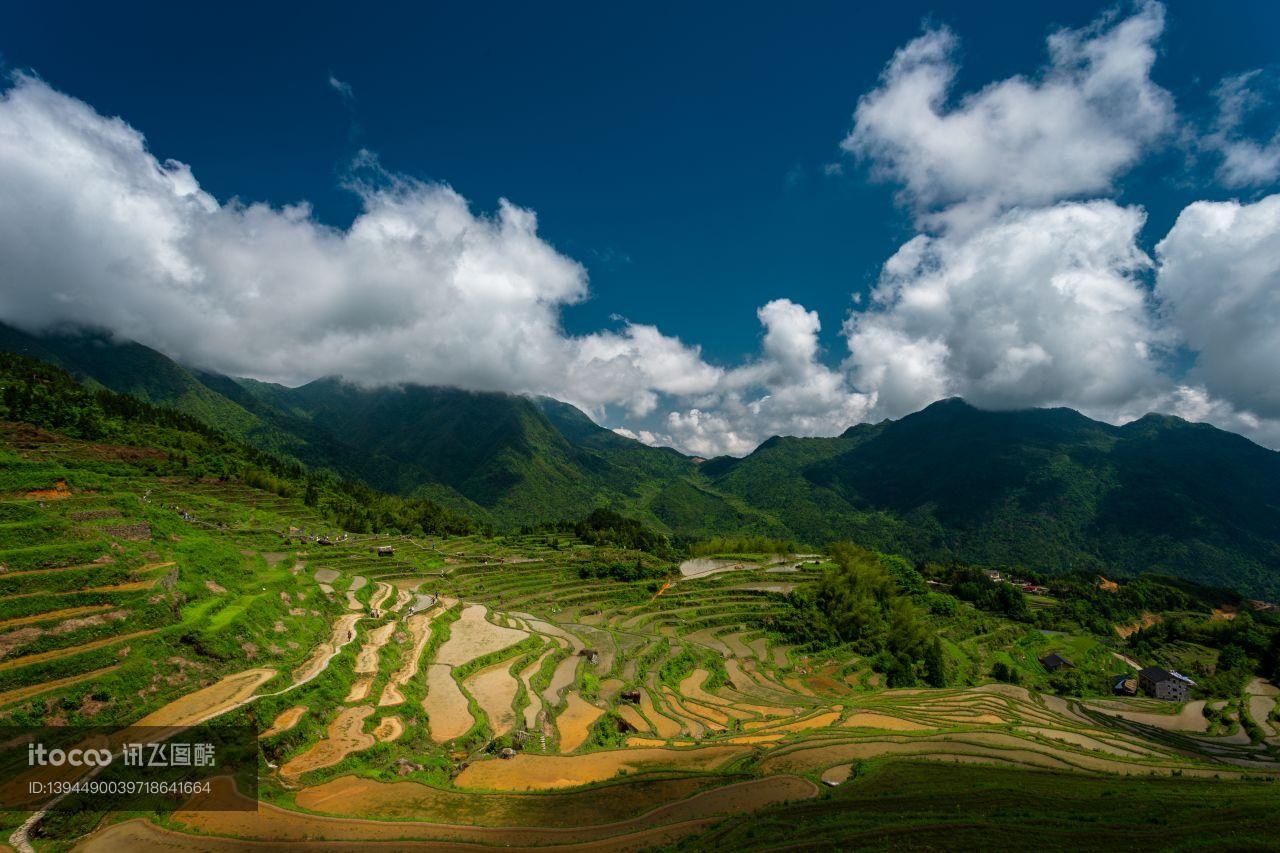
{"x":380,"y":597}
{"x":344,"y":631}
{"x":11,"y":696}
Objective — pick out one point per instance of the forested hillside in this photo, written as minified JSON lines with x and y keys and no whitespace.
{"x":1049,"y":490}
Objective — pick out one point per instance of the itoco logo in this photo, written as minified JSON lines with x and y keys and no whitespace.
{"x":39,"y":756}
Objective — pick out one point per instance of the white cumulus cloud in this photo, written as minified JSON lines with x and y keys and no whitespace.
{"x":1219,"y":283}
{"x":95,"y":230}
{"x":1037,"y":307}
{"x":1088,"y":115}
{"x":787,"y":390}
{"x":1246,"y":161}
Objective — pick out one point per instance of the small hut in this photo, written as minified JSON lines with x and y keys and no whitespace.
{"x":1055,"y":662}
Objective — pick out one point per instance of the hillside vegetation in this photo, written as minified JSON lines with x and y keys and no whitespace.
{"x":416,"y":677}
{"x":1044,"y":490}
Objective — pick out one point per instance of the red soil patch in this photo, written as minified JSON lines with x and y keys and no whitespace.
{"x":1147,"y":620}
{"x":60,"y":491}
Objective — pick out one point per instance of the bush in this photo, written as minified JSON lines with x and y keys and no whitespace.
{"x":1004,"y":673}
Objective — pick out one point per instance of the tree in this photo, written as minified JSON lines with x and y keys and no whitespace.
{"x":854,"y":594}
{"x":1005,"y":673}
{"x":935,"y":664}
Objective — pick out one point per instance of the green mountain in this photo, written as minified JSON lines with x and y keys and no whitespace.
{"x":1045,"y":489}
{"x":98,"y":360}
{"x":500,"y":458}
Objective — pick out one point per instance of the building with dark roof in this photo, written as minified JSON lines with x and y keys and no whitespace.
{"x":1163,"y":684}
{"x":1054,"y":662}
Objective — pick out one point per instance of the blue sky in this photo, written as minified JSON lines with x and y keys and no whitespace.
{"x":683,"y":156}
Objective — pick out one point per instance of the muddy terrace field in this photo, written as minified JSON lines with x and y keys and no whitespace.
{"x":473,"y":691}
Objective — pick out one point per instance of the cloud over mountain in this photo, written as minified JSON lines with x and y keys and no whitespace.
{"x":96,"y":231}
{"x":1026,"y":286}
{"x":1037,"y":307}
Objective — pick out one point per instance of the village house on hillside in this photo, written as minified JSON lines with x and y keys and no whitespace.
{"x":1163,"y":684}
{"x":1054,"y":662}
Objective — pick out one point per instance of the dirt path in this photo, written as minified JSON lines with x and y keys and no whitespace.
{"x":381,"y":595}
{"x":357,"y":584}
{"x":58,"y":654}
{"x":285,"y":721}
{"x":53,"y":615}
{"x":346,"y":735}
{"x":344,"y":631}
{"x":1128,"y":661}
{"x":402,"y":598}
{"x":419,"y":629}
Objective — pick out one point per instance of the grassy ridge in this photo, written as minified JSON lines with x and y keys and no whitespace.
{"x":934,"y":806}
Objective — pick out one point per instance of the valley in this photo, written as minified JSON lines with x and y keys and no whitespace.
{"x":587,"y":685}
{"x":475,"y":690}
{"x":1048,"y":489}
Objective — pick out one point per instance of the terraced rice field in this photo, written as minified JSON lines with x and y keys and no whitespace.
{"x":345,"y":736}
{"x":670,"y":709}
{"x":448,"y":713}
{"x":495,"y":689}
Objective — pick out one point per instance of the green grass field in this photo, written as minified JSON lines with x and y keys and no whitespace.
{"x":937,"y":806}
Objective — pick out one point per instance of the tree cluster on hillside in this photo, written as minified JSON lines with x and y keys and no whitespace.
{"x":859,"y":604}
{"x":47,"y":397}
{"x":605,"y":563}
{"x":610,"y":528}
{"x":1248,"y":644}
{"x":972,"y":584}
{"x":741,"y":545}
{"x":1085,"y":601}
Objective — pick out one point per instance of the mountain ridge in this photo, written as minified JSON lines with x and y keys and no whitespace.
{"x":1048,"y":489}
